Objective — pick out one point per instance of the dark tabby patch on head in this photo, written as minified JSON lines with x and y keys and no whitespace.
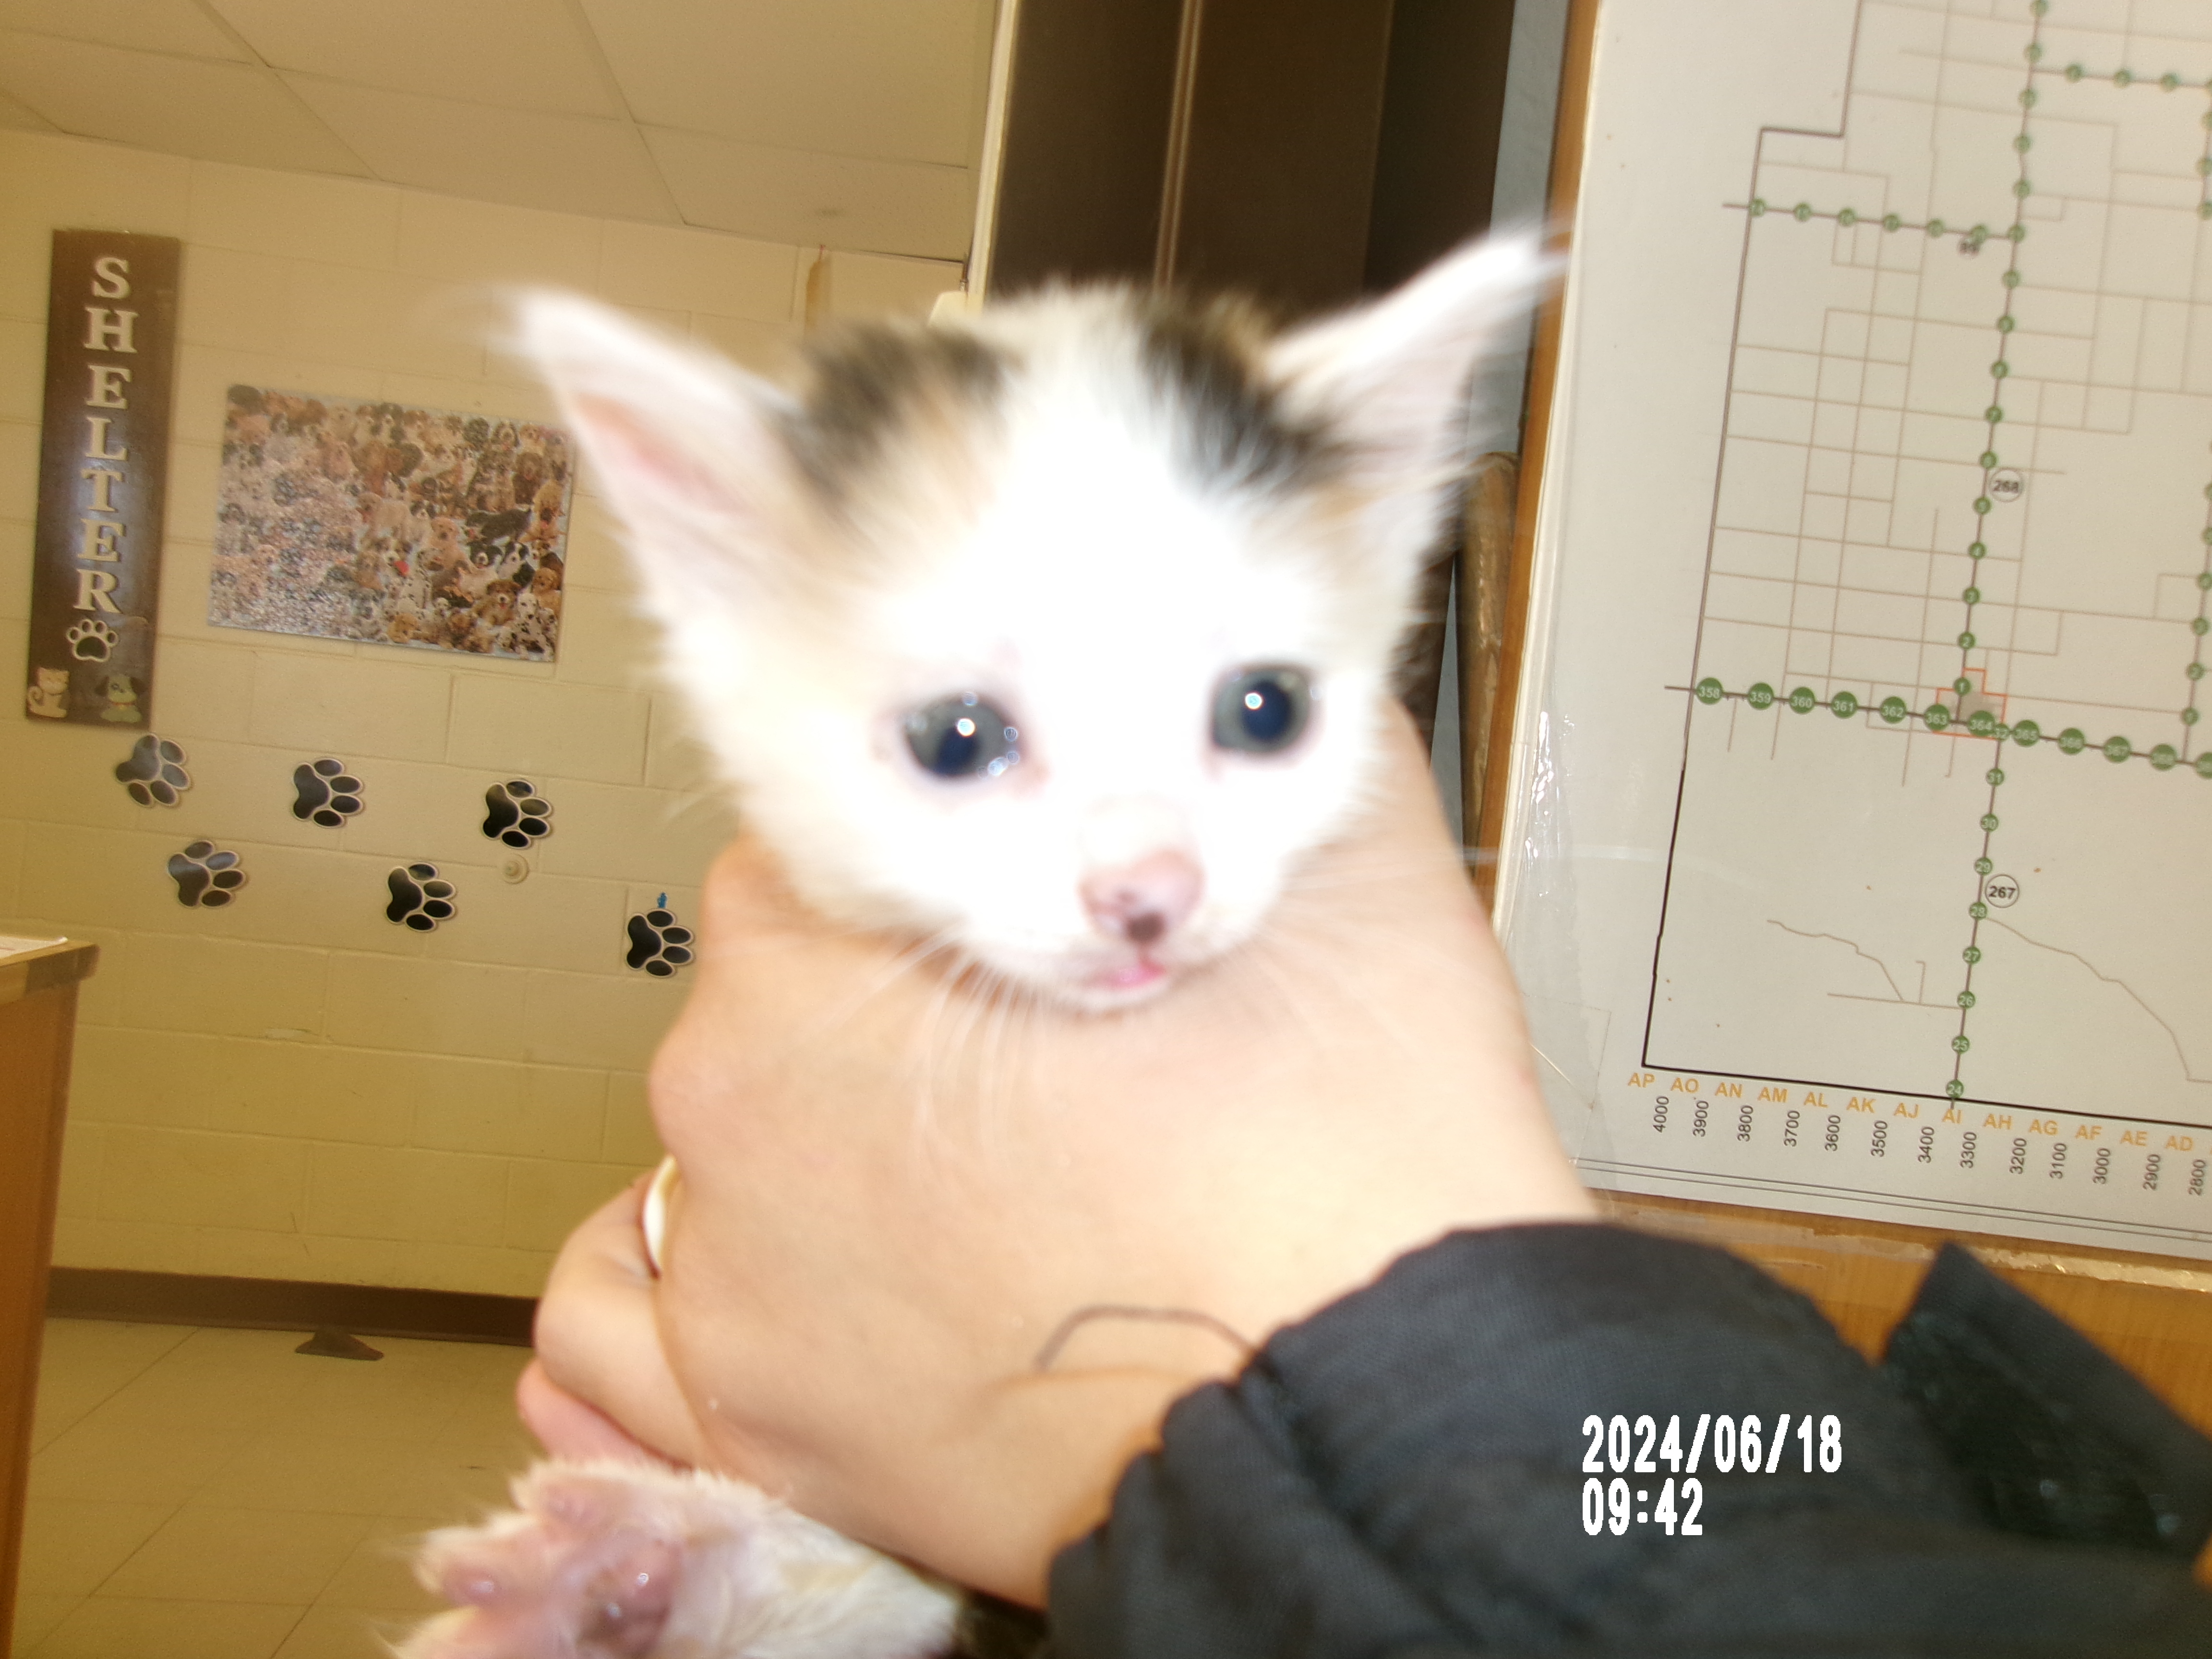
{"x":869,"y":381}
{"x":1232,"y":430}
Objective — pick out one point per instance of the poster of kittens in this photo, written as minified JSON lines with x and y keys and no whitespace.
{"x":355,"y":520}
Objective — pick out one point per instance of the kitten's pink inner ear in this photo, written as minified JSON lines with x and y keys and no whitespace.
{"x":645,"y":456}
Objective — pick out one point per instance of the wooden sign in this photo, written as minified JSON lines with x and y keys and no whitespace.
{"x":111,"y":338}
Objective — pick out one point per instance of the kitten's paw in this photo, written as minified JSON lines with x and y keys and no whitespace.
{"x":620,"y":1561}
{"x":585,"y":1569}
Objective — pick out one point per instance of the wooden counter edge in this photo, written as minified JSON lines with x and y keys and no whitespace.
{"x":62,"y":963}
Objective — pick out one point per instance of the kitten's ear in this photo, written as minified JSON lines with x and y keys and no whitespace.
{"x":1391,"y":377}
{"x":684,"y":442}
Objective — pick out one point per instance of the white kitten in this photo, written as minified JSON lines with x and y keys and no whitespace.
{"x":1101,"y":523}
{"x":1058,"y":635}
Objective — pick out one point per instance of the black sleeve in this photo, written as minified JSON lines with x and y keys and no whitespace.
{"x":1403,"y":1475}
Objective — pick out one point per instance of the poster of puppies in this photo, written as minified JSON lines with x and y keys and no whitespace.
{"x":375,"y":521}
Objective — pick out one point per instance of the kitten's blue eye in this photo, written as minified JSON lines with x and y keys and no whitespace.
{"x":1262,"y":710}
{"x":963,"y":737}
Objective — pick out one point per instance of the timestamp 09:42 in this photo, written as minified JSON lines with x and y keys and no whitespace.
{"x":1625,"y":1449}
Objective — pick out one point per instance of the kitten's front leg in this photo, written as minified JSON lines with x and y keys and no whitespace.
{"x":613,"y":1560}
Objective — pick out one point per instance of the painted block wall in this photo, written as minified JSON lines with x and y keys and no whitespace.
{"x":295,"y":1087}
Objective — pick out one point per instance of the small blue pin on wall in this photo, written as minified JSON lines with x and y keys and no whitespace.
{"x":207,"y":878}
{"x":325,"y":793}
{"x":155,"y":774}
{"x":516,"y":815}
{"x":421,"y":898}
{"x":658,"y":945}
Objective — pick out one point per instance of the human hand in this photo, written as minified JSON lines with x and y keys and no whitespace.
{"x":896,"y":1189}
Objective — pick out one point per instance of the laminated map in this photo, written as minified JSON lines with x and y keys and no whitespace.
{"x":1862,"y":857}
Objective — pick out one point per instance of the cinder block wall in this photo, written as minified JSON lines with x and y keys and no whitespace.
{"x":295,"y":1087}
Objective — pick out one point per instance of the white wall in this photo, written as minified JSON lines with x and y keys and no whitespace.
{"x":294,"y":1087}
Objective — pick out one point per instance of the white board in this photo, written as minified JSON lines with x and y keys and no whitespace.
{"x":1863,"y":861}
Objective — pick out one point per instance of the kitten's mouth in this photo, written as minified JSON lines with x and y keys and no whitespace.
{"x":1132,"y":975}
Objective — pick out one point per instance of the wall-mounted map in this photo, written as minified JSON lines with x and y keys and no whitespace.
{"x":1911,"y":910}
{"x":354,"y":519}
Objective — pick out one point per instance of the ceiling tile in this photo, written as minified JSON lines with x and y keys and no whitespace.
{"x":514,"y":54}
{"x":894,"y":80}
{"x":182,"y":105}
{"x":176,"y":26}
{"x":804,"y":196}
{"x":570,"y":163}
{"x":23,"y":116}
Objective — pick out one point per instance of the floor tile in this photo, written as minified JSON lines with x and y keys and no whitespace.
{"x":35,"y":1615}
{"x":454,"y":1482}
{"x":112,"y":1627}
{"x":210,"y":1554}
{"x":328,"y":1474}
{"x":82,"y":1362}
{"x":334,"y":1632}
{"x":122,"y":1461}
{"x":380,"y":1572}
{"x":71,"y":1545}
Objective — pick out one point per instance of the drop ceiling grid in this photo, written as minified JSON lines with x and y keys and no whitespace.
{"x":852,"y":124}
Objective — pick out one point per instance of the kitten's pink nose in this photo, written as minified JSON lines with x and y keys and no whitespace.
{"x":1145,"y":902}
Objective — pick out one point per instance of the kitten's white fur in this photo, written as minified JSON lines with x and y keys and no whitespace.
{"x":1042,"y":545}
{"x":1062,"y":542}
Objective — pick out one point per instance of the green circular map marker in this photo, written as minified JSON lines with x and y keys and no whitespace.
{"x":1802,"y":212}
{"x":1981,"y":722}
{"x":1960,"y":1044}
{"x":1891,"y":222}
{"x":1966,"y":999}
{"x":1936,"y":227}
{"x":2200,"y":626}
{"x":1971,"y":955}
{"x":1990,"y":821}
{"x":1758,"y":207}
{"x":2117,"y":749}
{"x":2189,"y":715}
{"x":2195,"y":671}
{"x":1847,"y":218}
{"x":1981,"y":504}
{"x":1937,"y":717}
{"x":1993,"y":776}
{"x":2204,"y":577}
{"x":1954,"y":1088}
{"x":1983,"y":866}
{"x":1709,"y":691}
{"x":2163,"y":756}
{"x":2026,"y":734}
{"x":2071,"y":742}
{"x":2204,"y":764}
{"x":1977,"y":550}
{"x":1802,"y":701}
{"x":1893,"y":709}
{"x":2005,"y":324}
{"x":1761,"y":696}
{"x":1966,"y":641}
{"x":1962,"y":685}
{"x":1842,"y":705}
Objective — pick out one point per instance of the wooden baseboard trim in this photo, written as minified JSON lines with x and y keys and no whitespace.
{"x":284,"y":1305}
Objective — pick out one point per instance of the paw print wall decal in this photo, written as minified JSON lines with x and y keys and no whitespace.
{"x":420,"y":898}
{"x":657,"y":944}
{"x":207,"y":878}
{"x":325,"y":793}
{"x":155,"y":774}
{"x":90,"y":639}
{"x":515,"y":814}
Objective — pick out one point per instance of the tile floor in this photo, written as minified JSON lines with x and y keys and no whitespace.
{"x":209,"y":1494}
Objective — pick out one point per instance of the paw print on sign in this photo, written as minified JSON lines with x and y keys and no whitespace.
{"x":206,"y":878}
{"x":657,"y":944}
{"x":420,"y":900}
{"x":325,"y":793}
{"x":515,"y":814}
{"x":155,"y":774}
{"x":90,"y":639}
